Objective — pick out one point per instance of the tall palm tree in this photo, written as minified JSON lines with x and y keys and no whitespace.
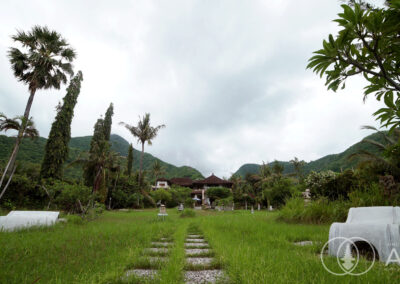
{"x":16,"y":124}
{"x":43,"y":62}
{"x":100,"y":161}
{"x":298,"y":167}
{"x":144,"y":132}
{"x":157,"y":169}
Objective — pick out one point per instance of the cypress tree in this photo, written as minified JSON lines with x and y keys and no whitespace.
{"x":130,"y":160}
{"x":96,"y":147}
{"x":108,"y":122}
{"x":56,"y":150}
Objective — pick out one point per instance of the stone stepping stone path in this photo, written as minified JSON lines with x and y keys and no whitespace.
{"x":161,"y":244}
{"x":196,"y":245}
{"x":200,"y":265}
{"x":157,"y":250}
{"x":197,"y":252}
{"x":196,"y":240}
{"x":199,"y":260}
{"x":203,"y":276}
{"x":144,"y":273}
{"x":156,"y":255}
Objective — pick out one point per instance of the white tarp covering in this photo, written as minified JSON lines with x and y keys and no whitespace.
{"x":380,"y":226}
{"x":25,"y":219}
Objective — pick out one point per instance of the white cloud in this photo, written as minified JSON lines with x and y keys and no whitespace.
{"x":228,"y":78}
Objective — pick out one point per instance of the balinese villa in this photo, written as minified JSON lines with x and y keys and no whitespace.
{"x":199,"y":187}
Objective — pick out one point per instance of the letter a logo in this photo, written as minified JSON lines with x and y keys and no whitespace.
{"x":390,"y":258}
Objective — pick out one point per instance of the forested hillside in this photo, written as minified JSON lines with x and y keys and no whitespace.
{"x":334,"y":162}
{"x":33,"y":150}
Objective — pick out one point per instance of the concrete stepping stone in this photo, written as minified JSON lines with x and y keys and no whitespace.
{"x":165,"y":239}
{"x":163,"y":244}
{"x":195,"y":240}
{"x":158,"y":259}
{"x":146,"y":273}
{"x":199,"y":260}
{"x":188,"y":245}
{"x":196,"y":251}
{"x":203,"y":276}
{"x":156,"y":250}
{"x":195,"y":236}
{"x":304,"y":243}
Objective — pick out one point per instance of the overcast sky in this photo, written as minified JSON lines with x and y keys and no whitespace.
{"x":227,"y":78}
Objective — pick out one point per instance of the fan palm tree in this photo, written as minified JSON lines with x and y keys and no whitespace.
{"x":144,"y":132}
{"x":43,"y":62}
{"x":16,"y":124}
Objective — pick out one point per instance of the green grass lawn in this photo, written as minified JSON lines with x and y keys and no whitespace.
{"x":251,"y":249}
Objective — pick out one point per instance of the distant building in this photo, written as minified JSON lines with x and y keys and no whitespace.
{"x":199,"y":187}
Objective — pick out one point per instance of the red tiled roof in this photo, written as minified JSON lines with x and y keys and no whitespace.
{"x":213,"y":180}
{"x":182,"y":181}
{"x":163,"y":179}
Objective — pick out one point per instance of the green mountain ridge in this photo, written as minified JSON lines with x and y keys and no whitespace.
{"x":334,"y":162}
{"x":32,"y":151}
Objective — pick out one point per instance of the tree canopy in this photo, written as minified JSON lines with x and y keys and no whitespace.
{"x":367,"y":44}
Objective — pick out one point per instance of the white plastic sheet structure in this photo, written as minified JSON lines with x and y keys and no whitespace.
{"x":379,"y":226}
{"x":24,"y":219}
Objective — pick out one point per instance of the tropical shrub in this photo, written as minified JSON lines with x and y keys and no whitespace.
{"x":161,"y":195}
{"x":216,"y":193}
{"x":318,"y":211}
{"x":225,"y":201}
{"x":23,"y":192}
{"x":372,"y":196}
{"x":71,"y":197}
{"x":179,"y":195}
{"x":320,"y":183}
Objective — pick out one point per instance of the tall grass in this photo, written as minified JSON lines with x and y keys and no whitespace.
{"x":320,"y":211}
{"x":258,"y":249}
{"x":250,"y":248}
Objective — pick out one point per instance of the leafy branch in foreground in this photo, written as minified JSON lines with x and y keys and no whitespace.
{"x":367,"y":44}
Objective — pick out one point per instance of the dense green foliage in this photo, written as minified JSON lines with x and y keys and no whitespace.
{"x":216,"y":193}
{"x":180,"y":195}
{"x":161,"y":195}
{"x":98,"y":147}
{"x":56,"y":149}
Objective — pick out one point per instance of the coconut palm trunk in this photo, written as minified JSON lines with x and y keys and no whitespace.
{"x":13,"y":157}
{"x":141,"y":164}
